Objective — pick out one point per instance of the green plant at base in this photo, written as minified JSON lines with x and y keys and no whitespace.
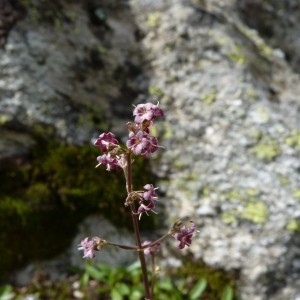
{"x":124,"y":283}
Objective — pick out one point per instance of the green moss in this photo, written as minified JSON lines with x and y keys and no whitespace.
{"x":254,"y":38}
{"x":4,"y":119}
{"x":234,"y":195}
{"x":255,"y":211}
{"x":153,"y":19}
{"x":252,"y":192}
{"x":155,"y":91}
{"x":284,"y":181}
{"x":45,"y":12}
{"x":267,"y":150}
{"x":229,"y":218}
{"x":210,"y":97}
{"x":11,"y":207}
{"x":294,"y":140}
{"x":237,"y":55}
{"x":293,"y":226}
{"x":296,"y":194}
{"x":251,"y":93}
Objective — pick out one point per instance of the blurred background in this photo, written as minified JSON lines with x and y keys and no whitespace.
{"x":226,"y":73}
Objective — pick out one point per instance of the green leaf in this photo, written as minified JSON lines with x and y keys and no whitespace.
{"x":134,"y":266}
{"x":95,"y":272}
{"x":115,"y":294}
{"x":227,"y":293}
{"x":198,"y":289}
{"x":136,"y":294}
{"x":122,"y":288}
{"x":165,"y":284}
{"x":84,"y":280}
{"x":6,"y":292}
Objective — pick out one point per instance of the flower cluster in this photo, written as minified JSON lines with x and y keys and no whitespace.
{"x":89,"y":246}
{"x":146,"y":113}
{"x":139,"y":142}
{"x":115,"y":156}
{"x":145,"y":198}
{"x":147,"y":201}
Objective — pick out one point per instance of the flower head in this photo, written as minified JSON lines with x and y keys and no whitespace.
{"x":141,"y":143}
{"x":147,"y":200}
{"x":146,"y":112}
{"x":106,"y":141}
{"x":145,"y":208}
{"x":88,"y":247}
{"x":150,"y":193}
{"x":108,"y":160}
{"x":185,"y":234}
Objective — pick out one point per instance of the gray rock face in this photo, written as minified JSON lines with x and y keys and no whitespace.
{"x":62,"y":75}
{"x":231,"y":156}
{"x":92,"y":226}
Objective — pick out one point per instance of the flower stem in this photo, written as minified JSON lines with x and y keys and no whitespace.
{"x":128,"y":177}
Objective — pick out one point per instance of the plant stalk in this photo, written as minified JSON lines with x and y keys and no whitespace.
{"x":128,"y":177}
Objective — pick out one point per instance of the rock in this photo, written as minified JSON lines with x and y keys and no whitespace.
{"x":226,"y":74}
{"x":226,"y":136}
{"x":56,"y":269}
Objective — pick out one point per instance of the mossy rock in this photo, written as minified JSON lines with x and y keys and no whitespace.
{"x":57,"y":186}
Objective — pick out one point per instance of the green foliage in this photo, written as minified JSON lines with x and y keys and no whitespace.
{"x":190,"y":282}
{"x":6,"y":292}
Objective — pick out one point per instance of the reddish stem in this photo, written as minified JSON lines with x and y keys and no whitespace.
{"x":128,"y":177}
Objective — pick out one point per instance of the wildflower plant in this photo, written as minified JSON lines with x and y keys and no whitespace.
{"x":140,"y":202}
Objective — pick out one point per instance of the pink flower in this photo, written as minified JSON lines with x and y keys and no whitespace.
{"x":111,"y":162}
{"x":88,"y":247}
{"x":149,"y":197}
{"x":106,"y":141}
{"x":185,"y":235}
{"x":146,"y":112}
{"x":141,"y":143}
{"x":150,"y":193}
{"x":145,"y":208}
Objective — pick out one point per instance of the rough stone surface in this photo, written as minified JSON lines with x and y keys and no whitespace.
{"x":232,"y":111}
{"x":65,"y":75}
{"x":92,"y":226}
{"x":230,"y":90}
